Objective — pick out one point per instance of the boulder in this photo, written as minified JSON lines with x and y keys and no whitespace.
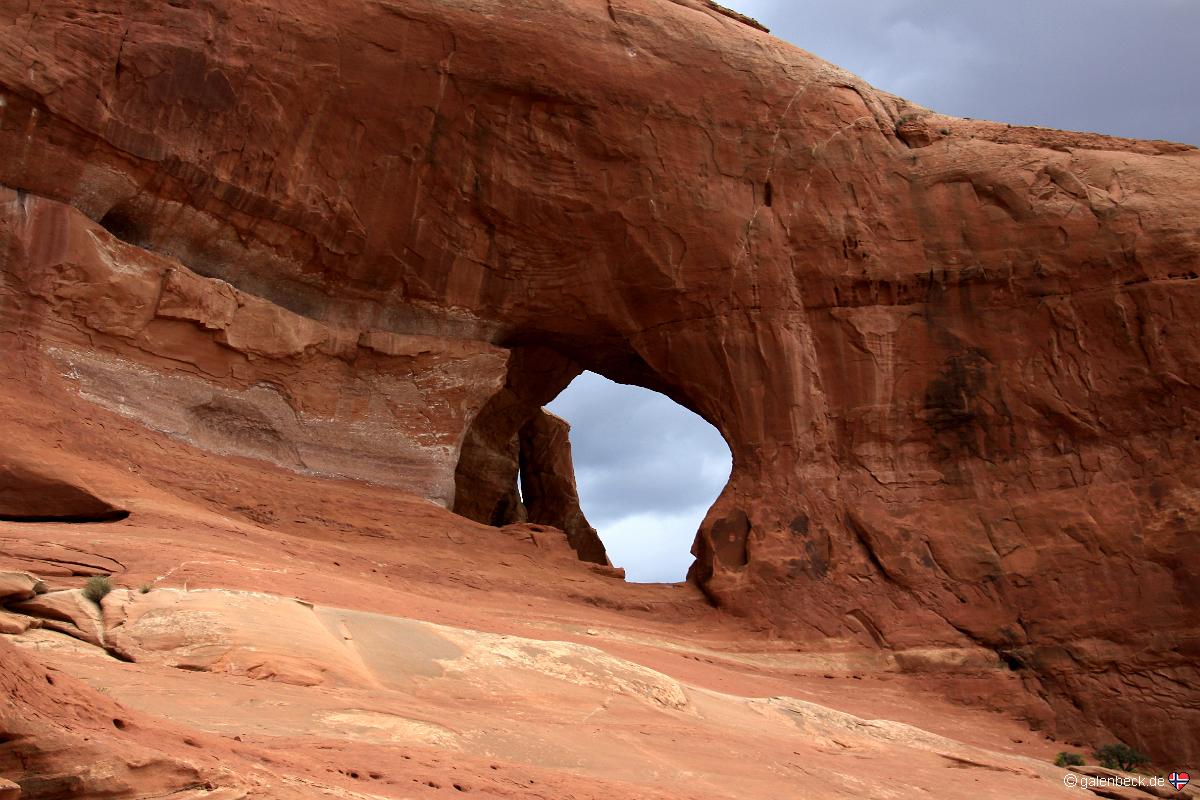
{"x":67,"y":612}
{"x":16,"y":586}
{"x":15,"y":624}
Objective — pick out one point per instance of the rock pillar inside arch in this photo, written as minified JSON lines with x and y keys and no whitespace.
{"x":548,"y":484}
{"x":486,"y":476}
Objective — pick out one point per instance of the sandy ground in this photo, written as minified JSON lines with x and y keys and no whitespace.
{"x":438,"y":654}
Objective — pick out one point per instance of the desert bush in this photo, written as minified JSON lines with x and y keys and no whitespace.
{"x":96,"y":587}
{"x":145,"y":588}
{"x":1121,"y":756}
{"x":1065,"y":759}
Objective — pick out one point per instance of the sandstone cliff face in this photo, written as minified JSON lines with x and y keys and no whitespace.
{"x":954,"y":361}
{"x":228,"y":372}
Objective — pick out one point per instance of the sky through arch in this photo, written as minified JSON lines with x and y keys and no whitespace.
{"x":647,"y":469}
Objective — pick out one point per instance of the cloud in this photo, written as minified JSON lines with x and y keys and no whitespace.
{"x":647,"y":470}
{"x":654,"y":546}
{"x":1112,"y":66}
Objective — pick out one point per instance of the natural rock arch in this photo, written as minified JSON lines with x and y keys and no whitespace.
{"x":953,"y":359}
{"x":516,"y":463}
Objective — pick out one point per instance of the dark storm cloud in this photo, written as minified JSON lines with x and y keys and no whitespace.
{"x":1124,"y":67}
{"x":647,"y":469}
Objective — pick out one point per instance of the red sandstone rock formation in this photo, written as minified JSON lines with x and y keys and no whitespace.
{"x":62,"y":739}
{"x":954,"y":361}
{"x":548,"y":488}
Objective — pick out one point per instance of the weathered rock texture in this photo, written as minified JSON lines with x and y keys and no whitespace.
{"x":59,"y":738}
{"x":18,"y":586}
{"x":67,"y":612}
{"x":228,"y":372}
{"x":955,"y":361}
{"x":548,"y":489}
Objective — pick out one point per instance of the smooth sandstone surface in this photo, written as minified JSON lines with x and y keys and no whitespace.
{"x":635,"y":706}
{"x":252,"y":252}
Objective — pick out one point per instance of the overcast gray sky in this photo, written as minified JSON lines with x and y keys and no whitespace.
{"x":647,"y":469}
{"x":1125,"y":67}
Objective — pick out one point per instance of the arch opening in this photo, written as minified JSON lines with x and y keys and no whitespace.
{"x":517,"y":465}
{"x":647,"y":470}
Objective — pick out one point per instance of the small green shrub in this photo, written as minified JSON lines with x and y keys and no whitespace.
{"x":1121,"y":756}
{"x":96,"y":587}
{"x":145,"y":588}
{"x":1065,"y":759}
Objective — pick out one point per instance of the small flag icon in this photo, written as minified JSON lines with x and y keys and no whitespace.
{"x":1178,"y":779}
